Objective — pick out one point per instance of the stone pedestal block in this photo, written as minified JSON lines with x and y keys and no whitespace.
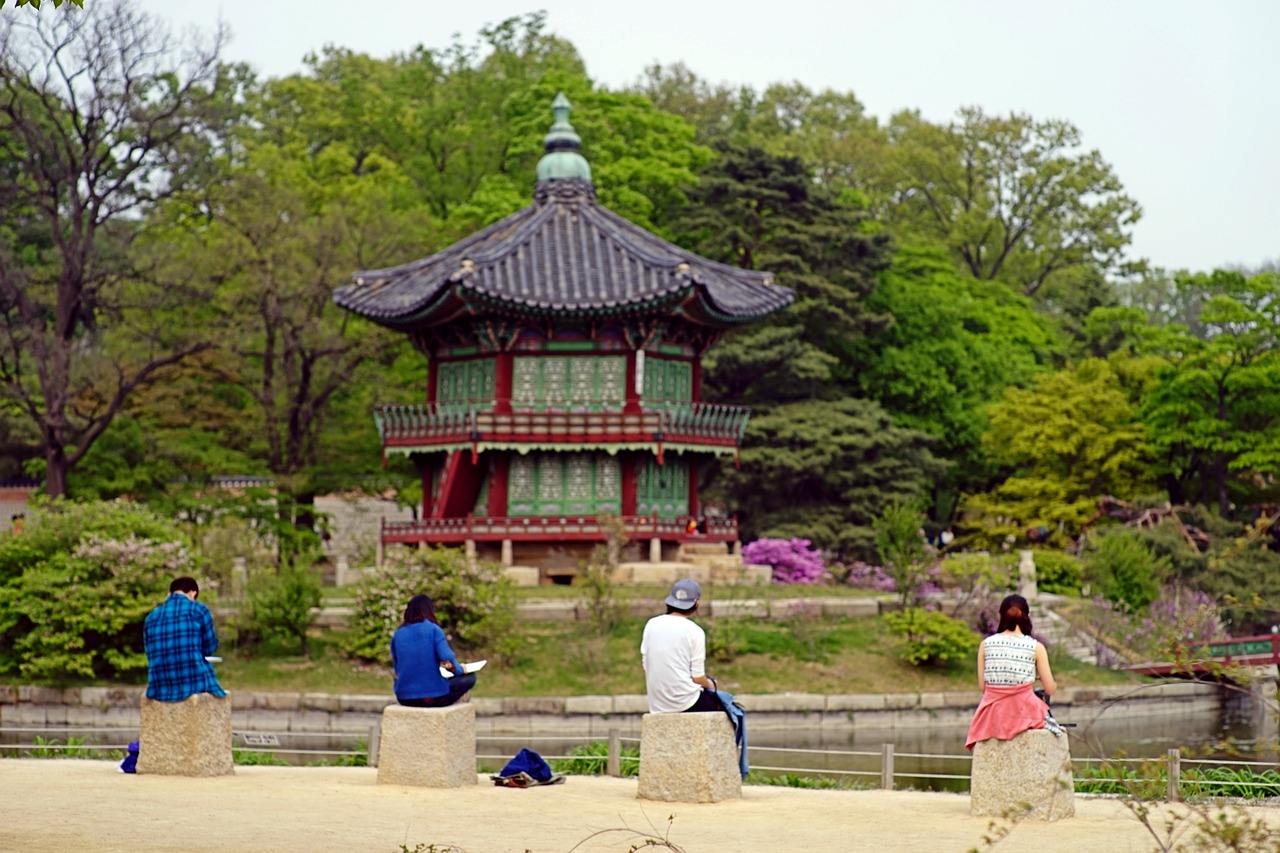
{"x":187,"y":738}
{"x":1028,"y":777}
{"x":688,"y":758}
{"x":428,"y":747}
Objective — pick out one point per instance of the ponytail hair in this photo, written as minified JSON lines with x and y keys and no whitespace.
{"x":1015,"y":613}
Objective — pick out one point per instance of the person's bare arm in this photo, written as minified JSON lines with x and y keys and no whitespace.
{"x":1043,"y":670}
{"x":704,"y":682}
{"x":982,"y":666}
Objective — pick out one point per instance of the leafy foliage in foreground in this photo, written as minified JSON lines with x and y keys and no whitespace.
{"x":77,"y":585}
{"x":932,"y":638}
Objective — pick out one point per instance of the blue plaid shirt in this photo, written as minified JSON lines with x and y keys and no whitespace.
{"x":177,"y":636}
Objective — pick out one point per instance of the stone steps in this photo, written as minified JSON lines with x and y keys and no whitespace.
{"x":1057,"y":632}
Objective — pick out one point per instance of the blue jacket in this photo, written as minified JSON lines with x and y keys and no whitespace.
{"x":417,"y":651}
{"x":738,"y":717}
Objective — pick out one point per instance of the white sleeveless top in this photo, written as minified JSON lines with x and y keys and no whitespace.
{"x":1009,"y":659}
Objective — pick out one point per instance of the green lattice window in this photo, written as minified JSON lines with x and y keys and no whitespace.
{"x":556,"y":381}
{"x":564,"y":484}
{"x":667,"y":380}
{"x":663,"y":489}
{"x":465,"y":381}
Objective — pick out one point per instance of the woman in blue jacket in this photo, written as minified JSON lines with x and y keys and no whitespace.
{"x":419,"y":650}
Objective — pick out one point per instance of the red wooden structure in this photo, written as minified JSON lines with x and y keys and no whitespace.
{"x":1259,"y":650}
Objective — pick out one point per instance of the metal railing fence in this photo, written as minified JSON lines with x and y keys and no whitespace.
{"x":881,"y":765}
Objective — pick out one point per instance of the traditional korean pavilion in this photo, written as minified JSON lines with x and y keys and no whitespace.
{"x":564,"y":380}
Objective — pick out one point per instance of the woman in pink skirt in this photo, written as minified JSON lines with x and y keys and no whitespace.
{"x":1008,"y":663}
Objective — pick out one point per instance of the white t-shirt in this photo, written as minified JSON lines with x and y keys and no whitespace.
{"x":673,"y":651}
{"x":1009,"y":659}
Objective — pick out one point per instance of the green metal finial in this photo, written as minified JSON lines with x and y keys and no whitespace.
{"x":560,"y":109}
{"x":563,"y":160}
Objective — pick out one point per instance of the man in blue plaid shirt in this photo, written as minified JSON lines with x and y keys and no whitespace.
{"x":177,"y":636}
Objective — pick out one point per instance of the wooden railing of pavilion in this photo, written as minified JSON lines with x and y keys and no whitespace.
{"x":427,"y":424}
{"x":578,"y":528}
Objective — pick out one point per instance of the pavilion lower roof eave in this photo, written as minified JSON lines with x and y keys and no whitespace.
{"x":524,"y":447}
{"x":420,"y":320}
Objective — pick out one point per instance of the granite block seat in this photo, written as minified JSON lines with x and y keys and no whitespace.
{"x":688,"y":758}
{"x":187,"y":738}
{"x":428,"y":747}
{"x":1028,"y":777}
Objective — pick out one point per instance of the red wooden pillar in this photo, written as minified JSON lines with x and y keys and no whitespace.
{"x":504,"y":368}
{"x":628,"y":463}
{"x":695,"y":383}
{"x":633,"y":390}
{"x":499,"y":468}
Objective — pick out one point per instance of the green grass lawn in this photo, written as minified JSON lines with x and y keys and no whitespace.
{"x":835,"y":655}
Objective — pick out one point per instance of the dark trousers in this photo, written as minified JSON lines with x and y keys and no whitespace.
{"x":707,"y":701}
{"x":458,"y":685}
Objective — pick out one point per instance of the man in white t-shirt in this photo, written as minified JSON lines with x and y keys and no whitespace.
{"x":674,"y":654}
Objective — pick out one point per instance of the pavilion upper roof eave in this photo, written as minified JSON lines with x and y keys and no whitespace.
{"x":402,"y":297}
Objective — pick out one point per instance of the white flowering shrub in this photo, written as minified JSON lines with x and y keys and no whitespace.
{"x":76,"y":586}
{"x":474,"y":602}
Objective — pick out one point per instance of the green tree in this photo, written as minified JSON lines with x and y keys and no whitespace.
{"x":902,"y":549}
{"x":283,"y":230}
{"x":713,"y":110}
{"x":1214,"y":413}
{"x":759,"y":211}
{"x":1070,"y":439}
{"x":286,"y":604}
{"x":1013,"y":199}
{"x":954,"y":344}
{"x":1124,"y":570}
{"x":100,"y":117}
{"x":832,"y":462}
{"x":829,"y":130}
{"x":831,"y":467}
{"x":465,"y":124}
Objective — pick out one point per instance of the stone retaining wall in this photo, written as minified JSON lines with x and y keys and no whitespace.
{"x":313,"y":713}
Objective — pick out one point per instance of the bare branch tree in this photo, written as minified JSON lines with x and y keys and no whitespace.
{"x":102,"y":114}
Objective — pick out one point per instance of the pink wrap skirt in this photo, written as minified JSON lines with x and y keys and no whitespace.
{"x":1006,"y":712}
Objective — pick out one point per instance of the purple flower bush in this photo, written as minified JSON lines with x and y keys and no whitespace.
{"x":866,"y":576}
{"x":792,"y":560}
{"x":1178,"y":623}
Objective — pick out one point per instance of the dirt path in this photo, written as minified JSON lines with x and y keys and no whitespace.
{"x":87,"y":805}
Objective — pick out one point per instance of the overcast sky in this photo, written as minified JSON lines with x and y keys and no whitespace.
{"x":1181,"y":97}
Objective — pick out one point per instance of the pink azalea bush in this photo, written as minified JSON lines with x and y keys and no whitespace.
{"x":792,"y":560}
{"x":868,"y":576}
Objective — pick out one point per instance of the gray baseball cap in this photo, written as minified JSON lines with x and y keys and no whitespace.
{"x":684,"y":594}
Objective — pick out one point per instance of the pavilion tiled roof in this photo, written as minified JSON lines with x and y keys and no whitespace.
{"x":563,"y":255}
